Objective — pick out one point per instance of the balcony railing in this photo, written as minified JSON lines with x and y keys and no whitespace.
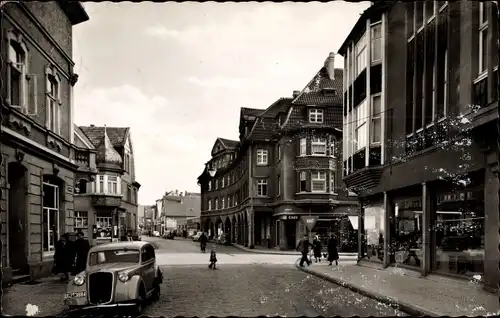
{"x":82,"y":157}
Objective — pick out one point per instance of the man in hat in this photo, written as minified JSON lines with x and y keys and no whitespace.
{"x":303,"y":247}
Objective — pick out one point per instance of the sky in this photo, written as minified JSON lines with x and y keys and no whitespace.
{"x":177,"y":74}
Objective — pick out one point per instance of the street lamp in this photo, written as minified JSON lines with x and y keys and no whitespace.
{"x":211,"y":172}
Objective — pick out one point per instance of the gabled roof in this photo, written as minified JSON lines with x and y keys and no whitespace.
{"x":117,"y":135}
{"x":279,"y":106}
{"x":81,"y":135}
{"x":314,"y":93}
{"x":224,"y":144}
{"x":250,"y":111}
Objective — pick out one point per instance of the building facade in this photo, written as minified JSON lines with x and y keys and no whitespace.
{"x":177,"y":207}
{"x":106,"y":205}
{"x":39,"y":158}
{"x":286,"y":166}
{"x":421,"y":152}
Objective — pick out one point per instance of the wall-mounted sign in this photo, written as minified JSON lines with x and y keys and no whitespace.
{"x":288,"y":210}
{"x":69,"y":189}
{"x":289,"y":217}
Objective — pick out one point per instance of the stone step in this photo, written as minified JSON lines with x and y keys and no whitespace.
{"x":18,"y":279}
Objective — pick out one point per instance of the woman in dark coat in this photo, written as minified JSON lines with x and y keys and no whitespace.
{"x":81,"y":248}
{"x":333,"y":255}
{"x":63,"y":257}
{"x":317,"y":249}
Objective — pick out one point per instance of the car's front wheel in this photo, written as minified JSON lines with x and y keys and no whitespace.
{"x":156,"y":292}
{"x":139,"y":304}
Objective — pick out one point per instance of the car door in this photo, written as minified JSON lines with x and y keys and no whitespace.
{"x":148,"y":266}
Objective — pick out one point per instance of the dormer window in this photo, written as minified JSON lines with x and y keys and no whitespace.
{"x":328,"y":91}
{"x":316,"y":116}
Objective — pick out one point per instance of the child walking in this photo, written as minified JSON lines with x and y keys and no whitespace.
{"x":213,"y":258}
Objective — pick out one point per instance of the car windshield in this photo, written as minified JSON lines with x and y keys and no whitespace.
{"x":114,"y":256}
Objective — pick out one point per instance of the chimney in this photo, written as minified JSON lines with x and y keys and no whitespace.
{"x":295,"y":93}
{"x":330,"y":65}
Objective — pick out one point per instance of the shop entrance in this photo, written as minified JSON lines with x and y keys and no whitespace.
{"x":290,"y":233}
{"x":17,"y":217}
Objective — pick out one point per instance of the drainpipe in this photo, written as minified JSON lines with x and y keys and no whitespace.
{"x":497,"y":11}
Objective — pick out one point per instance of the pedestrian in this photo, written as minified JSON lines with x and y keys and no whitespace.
{"x":63,"y":257}
{"x":317,"y":249}
{"x":81,"y":247}
{"x":213,"y":258}
{"x":333,"y":255}
{"x":129,"y":236}
{"x":203,"y":242}
{"x":269,"y":241}
{"x":303,"y":247}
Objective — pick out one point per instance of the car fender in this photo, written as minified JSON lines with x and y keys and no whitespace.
{"x":128,"y":290}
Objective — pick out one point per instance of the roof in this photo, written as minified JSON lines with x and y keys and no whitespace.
{"x":119,"y":245}
{"x":298,"y":118}
{"x":313,"y":93}
{"x":373,"y":10}
{"x":81,"y":134}
{"x":74,"y":10}
{"x":250,"y":111}
{"x":106,"y":153}
{"x":117,"y":135}
{"x":229,"y":143}
{"x":279,"y":106}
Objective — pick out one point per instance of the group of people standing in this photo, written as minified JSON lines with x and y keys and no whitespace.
{"x":305,"y":244}
{"x":70,"y":257}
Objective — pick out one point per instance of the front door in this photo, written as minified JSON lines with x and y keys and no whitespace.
{"x":17,"y":216}
{"x":290,"y":232}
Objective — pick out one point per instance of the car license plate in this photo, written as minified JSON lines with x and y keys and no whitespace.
{"x":79,"y":294}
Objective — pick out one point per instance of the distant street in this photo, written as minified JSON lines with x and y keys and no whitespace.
{"x":248,"y":284}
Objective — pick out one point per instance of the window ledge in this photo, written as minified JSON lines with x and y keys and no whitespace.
{"x":480,"y":77}
{"x":311,"y":192}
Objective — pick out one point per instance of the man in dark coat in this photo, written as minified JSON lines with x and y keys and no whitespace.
{"x":303,"y":247}
{"x":81,"y":247}
{"x":203,"y":242}
{"x":63,"y":257}
{"x":333,"y":255}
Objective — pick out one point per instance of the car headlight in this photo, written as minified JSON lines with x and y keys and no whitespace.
{"x":123,"y":277}
{"x":79,"y":280}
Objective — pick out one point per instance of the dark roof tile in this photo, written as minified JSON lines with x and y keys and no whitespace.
{"x":229,"y":143}
{"x":313,"y":93}
{"x":95,"y":134}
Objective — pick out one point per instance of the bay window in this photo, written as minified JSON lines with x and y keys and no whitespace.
{"x":262,"y":187}
{"x":360,"y":128}
{"x":318,"y":181}
{"x":318,"y":146}
{"x":303,"y":181}
{"x":376,"y":129}
{"x":360,"y":51}
{"x":303,"y":146}
{"x":376,"y":47}
{"x":333,"y":184}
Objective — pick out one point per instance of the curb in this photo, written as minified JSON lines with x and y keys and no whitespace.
{"x":257,"y":251}
{"x":395,"y":303}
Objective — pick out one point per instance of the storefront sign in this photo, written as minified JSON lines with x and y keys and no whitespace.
{"x":123,"y":214}
{"x":309,"y":221}
{"x":289,"y":217}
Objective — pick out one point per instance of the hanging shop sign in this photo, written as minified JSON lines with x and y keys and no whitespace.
{"x":309,"y":221}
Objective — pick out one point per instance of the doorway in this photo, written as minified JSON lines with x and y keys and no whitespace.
{"x":290,"y":232}
{"x":17,"y":217}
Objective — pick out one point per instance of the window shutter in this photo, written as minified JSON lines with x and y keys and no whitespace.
{"x":32,"y":107}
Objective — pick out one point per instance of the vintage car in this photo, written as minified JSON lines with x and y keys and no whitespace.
{"x":117,"y":274}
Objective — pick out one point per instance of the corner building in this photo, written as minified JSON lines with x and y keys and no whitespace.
{"x":420,"y":104}
{"x":287,"y":164}
{"x":39,"y":162}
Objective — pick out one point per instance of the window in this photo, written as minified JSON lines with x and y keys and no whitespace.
{"x":222,"y":185}
{"x":262,"y":188}
{"x":376,"y":53}
{"x":332,"y":147}
{"x":279,"y":152}
{"x":82,"y":186}
{"x":262,"y":156}
{"x":278,"y":193}
{"x":303,"y":181}
{"x":222,"y":203}
{"x":483,"y":38}
{"x":129,"y":194}
{"x":318,"y":146}
{"x":53,"y":100}
{"x":316,"y":116}
{"x":112,"y":184}
{"x":81,"y":220}
{"x":209,"y":204}
{"x":229,"y":201}
{"x":318,"y":181}
{"x":332,"y":182}
{"x":443,"y":97}
{"x":360,"y":51}
{"x":50,"y":216}
{"x":228,"y":179}
{"x":209,"y":185}
{"x":360,"y":129}
{"x":216,"y":203}
{"x":303,"y":146}
{"x":376,"y":134}
{"x":101,"y":184}
{"x":216,"y":184}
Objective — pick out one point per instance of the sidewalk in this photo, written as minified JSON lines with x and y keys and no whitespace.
{"x":264,"y":250}
{"x":45,"y":298}
{"x":416,"y":296}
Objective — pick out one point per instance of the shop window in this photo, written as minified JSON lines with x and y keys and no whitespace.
{"x":81,"y":220}
{"x":374,"y":230}
{"x":103,"y":225}
{"x":459,"y":234}
{"x":407,"y":233}
{"x":50,"y":216}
